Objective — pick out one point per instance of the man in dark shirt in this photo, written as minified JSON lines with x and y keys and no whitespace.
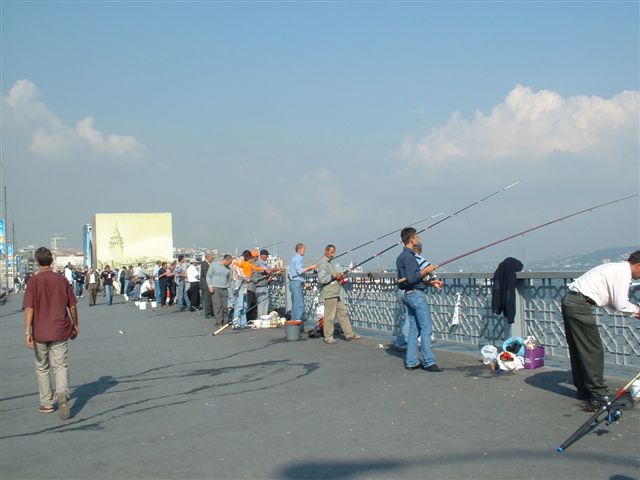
{"x":51,"y":319}
{"x":410,"y":281}
{"x":108,"y":278}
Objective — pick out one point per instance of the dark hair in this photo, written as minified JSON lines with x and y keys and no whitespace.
{"x":44,"y":257}
{"x":329,"y":247}
{"x":634,"y":258}
{"x":299,"y":246}
{"x":180,"y":258}
{"x":406,"y":234}
{"x":247,"y":255}
{"x":227,"y":257}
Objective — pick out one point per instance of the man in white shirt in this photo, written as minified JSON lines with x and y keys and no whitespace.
{"x":606,"y":285}
{"x":146,"y":290}
{"x":193,"y":277}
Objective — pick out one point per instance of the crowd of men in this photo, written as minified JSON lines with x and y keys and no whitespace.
{"x":223,"y":289}
{"x":238,"y":289}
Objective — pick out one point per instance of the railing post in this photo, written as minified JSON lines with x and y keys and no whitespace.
{"x":518,"y":328}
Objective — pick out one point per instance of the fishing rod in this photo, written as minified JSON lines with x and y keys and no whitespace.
{"x":551,"y":222}
{"x":451,"y":215}
{"x":442,"y":220}
{"x":606,"y":413}
{"x":272,"y":245}
{"x":385,"y":236}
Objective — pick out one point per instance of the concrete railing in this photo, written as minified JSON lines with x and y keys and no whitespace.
{"x":375,"y":307}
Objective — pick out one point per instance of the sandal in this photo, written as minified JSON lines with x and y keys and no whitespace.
{"x":355,"y":336}
{"x":329,"y":340}
{"x":44,"y":409}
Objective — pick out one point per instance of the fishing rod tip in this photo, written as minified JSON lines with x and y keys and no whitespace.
{"x":560,"y":450}
{"x":438,"y":214}
{"x":512,"y":185}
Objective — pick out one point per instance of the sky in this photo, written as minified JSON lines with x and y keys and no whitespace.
{"x":324,"y":122}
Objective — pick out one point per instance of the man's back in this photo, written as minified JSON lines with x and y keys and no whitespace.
{"x":50,"y":295}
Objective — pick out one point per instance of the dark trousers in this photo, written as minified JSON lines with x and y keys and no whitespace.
{"x":219,"y":300}
{"x":585,"y":346}
{"x":194,"y":294}
{"x":93,"y":293}
{"x":164,"y":284}
{"x":207,"y":307}
{"x":252,"y":305}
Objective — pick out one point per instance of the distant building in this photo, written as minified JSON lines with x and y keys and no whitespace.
{"x":58,"y":243}
{"x":116,"y":247}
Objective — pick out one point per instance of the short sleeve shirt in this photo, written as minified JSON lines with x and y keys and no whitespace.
{"x":50,"y":296}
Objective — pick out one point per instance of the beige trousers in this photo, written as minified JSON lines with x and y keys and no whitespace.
{"x":56,"y":355}
{"x":333,"y":307}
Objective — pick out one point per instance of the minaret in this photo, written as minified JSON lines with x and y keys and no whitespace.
{"x":116,"y":247}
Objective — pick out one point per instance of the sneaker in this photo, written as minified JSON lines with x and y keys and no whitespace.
{"x":63,"y":406}
{"x":415,"y":367}
{"x":355,"y":336}
{"x":45,"y":409}
{"x":329,"y":340}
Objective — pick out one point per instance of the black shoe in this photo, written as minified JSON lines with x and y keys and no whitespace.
{"x":596,"y":402}
{"x":432,"y":368}
{"x":415,"y":367}
{"x":583,"y":395}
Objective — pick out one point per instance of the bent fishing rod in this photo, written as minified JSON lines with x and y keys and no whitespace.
{"x":524,"y":232}
{"x":612,"y":415}
{"x":451,"y":215}
{"x":442,"y":220}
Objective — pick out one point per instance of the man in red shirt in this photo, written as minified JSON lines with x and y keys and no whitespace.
{"x":51,"y":319}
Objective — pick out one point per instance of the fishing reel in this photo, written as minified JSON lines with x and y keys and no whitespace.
{"x":613,"y":416}
{"x":341,"y":279}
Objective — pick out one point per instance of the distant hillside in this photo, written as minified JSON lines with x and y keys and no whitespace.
{"x":577,"y":262}
{"x":583,"y":261}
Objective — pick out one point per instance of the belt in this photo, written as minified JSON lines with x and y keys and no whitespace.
{"x":586,"y":299}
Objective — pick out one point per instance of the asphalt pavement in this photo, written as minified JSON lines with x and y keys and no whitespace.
{"x":154,"y":396}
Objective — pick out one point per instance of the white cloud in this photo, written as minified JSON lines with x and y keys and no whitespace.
{"x":50,"y":137}
{"x":531,"y":125}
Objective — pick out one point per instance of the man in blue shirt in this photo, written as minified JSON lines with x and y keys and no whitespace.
{"x":297,"y":278}
{"x":410,"y":281}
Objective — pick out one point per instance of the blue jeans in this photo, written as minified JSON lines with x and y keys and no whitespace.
{"x":126,"y":286}
{"x":419,"y":314}
{"x":402,"y":332}
{"x":239,"y":309}
{"x":158,"y":292}
{"x":108,"y":289}
{"x":180,"y":294}
{"x":297,"y":299}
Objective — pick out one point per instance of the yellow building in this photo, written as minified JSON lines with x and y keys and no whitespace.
{"x":132,"y":238}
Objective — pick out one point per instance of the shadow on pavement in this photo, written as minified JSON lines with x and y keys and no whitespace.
{"x":333,"y":469}
{"x":554,"y":381}
{"x":83,"y":393}
{"x":250,"y":377}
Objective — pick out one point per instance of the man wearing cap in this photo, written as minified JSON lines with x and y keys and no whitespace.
{"x":606,"y":285}
{"x":261,"y":281}
{"x":193,"y":277}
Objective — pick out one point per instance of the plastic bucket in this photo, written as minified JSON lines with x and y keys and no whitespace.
{"x":292,"y":329}
{"x":142,"y":306}
{"x":635,"y":390}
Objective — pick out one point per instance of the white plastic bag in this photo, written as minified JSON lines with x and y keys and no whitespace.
{"x":489,"y":354}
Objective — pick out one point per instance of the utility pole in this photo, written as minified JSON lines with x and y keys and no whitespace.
{"x":6,"y":243}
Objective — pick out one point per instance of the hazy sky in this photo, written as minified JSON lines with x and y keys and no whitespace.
{"x":324,"y":122}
